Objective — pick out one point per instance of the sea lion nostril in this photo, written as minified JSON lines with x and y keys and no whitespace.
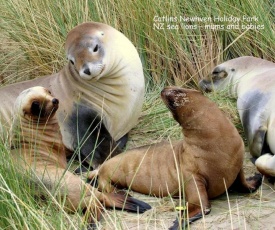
{"x":55,"y":101}
{"x":87,"y":71}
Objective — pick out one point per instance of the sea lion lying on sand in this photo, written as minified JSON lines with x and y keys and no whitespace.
{"x":37,"y":148}
{"x":102,"y":83}
{"x":203,"y":165}
{"x":252,"y":81}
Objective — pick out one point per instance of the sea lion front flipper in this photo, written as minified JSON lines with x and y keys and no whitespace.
{"x":184,"y":223}
{"x":258,"y":145}
{"x":266,"y":164}
{"x":197,"y":203}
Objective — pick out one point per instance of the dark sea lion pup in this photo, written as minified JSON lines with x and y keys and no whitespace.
{"x":37,"y":150}
{"x":202,"y":166}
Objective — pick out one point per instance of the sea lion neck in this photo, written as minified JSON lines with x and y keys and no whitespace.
{"x":25,"y":131}
{"x":72,"y":72}
{"x":196,"y":117}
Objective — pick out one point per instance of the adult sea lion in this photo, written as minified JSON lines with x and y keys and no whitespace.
{"x":203,"y":165}
{"x":252,"y":81}
{"x":102,"y":83}
{"x":37,"y":149}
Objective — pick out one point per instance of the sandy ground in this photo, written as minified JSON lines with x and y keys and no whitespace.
{"x":240,"y":211}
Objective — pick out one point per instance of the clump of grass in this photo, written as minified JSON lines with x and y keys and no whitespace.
{"x":25,"y":205}
{"x":156,"y":122}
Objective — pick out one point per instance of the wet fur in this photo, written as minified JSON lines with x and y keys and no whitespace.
{"x":90,"y":128}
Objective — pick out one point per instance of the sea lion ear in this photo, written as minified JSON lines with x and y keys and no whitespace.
{"x":35,"y":108}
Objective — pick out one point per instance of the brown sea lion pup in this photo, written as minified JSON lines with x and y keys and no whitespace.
{"x":208,"y":160}
{"x":37,"y":148}
{"x":102,"y":82}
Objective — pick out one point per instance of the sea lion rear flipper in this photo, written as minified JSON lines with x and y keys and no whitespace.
{"x":124,"y":202}
{"x":243,"y":185}
{"x":258,"y":145}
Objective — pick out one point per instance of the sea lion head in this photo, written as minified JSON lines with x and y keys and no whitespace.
{"x":36,"y":104}
{"x":218,"y":79}
{"x":180,"y":101}
{"x":85,"y":49}
{"x":224,"y":75}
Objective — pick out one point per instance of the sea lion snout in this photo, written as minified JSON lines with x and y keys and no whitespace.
{"x":91,"y":70}
{"x":55,"y":101}
{"x":174,"y":97}
{"x":86,"y":70}
{"x":205,"y":86}
{"x":55,"y":104}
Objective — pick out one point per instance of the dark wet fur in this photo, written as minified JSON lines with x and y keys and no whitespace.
{"x":92,"y":141}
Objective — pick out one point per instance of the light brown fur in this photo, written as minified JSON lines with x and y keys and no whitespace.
{"x":36,"y":147}
{"x":210,"y":154}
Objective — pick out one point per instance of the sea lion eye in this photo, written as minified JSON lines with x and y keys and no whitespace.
{"x":95,"y":49}
{"x":35,"y":108}
{"x":72,"y":62}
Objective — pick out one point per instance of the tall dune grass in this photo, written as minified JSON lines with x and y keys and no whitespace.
{"x":25,"y":205}
{"x":32,"y":35}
